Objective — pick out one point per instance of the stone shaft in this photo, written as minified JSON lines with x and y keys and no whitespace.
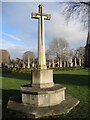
{"x":41,"y":44}
{"x":42,"y":78}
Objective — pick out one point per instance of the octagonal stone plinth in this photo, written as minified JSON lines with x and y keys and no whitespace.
{"x":43,"y":96}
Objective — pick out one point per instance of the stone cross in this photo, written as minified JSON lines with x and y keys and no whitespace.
{"x":41,"y":35}
{"x":53,"y":63}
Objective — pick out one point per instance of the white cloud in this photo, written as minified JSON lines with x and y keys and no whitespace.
{"x":12,"y":36}
{"x":15,"y":50}
{"x":73,"y":32}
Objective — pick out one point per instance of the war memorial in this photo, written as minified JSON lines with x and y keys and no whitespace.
{"x":42,"y":97}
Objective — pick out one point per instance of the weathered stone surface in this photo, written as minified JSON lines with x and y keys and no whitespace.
{"x":30,"y":111}
{"x":42,"y":78}
{"x":43,"y":96}
{"x":41,"y":35}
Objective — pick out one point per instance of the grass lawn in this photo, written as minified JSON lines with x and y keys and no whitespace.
{"x":75,"y":81}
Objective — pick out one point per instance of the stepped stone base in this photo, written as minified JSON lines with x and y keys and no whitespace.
{"x":30,"y":111}
{"x":43,"y":96}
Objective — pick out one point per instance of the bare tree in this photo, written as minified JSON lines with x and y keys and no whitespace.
{"x":69,"y":54}
{"x":57,"y":48}
{"x":80,"y":8}
{"x":80,"y":52}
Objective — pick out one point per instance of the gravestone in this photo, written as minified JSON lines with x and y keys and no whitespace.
{"x":42,"y":97}
{"x":71,"y":63}
{"x":79,"y":61}
{"x":75,"y":62}
{"x":11,"y":65}
{"x":23,"y":65}
{"x":0,"y":65}
{"x":67,"y":63}
{"x":53,"y":63}
{"x":64,"y":63}
{"x":28,"y":62}
{"x":49,"y":64}
{"x":60,"y":62}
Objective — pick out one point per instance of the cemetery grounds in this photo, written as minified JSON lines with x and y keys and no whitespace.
{"x":75,"y":81}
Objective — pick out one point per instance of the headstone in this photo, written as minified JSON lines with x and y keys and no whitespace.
{"x":60,"y":62}
{"x":33,"y":64}
{"x":0,"y":65}
{"x":28,"y":62}
{"x":8,"y":66}
{"x":16,"y":66}
{"x":79,"y":61}
{"x":23,"y":66}
{"x":71,"y":63}
{"x":75,"y":60}
{"x":53,"y":63}
{"x":11,"y":65}
{"x":64,"y":63}
{"x":48,"y":64}
{"x":67,"y":64}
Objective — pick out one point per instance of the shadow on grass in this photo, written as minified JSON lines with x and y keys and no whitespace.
{"x":24,"y":76}
{"x":6,"y":94}
{"x":71,"y":79}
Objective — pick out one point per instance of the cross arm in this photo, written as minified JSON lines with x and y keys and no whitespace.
{"x":47,"y":16}
{"x":35,"y":15}
{"x":38,"y":15}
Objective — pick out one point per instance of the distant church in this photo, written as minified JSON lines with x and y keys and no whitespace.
{"x":87,"y":52}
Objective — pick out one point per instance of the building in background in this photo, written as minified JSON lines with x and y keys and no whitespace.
{"x":4,"y":58}
{"x":87,"y":52}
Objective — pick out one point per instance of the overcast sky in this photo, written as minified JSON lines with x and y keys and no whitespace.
{"x":20,"y":32}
